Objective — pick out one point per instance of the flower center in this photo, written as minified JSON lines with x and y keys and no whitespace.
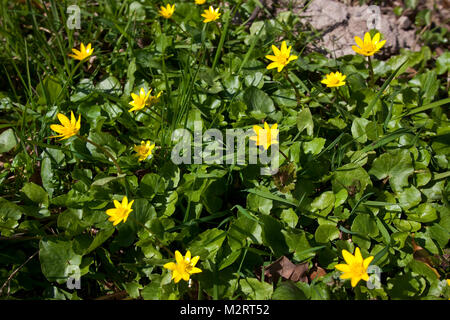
{"x":357,"y":269}
{"x":369,"y":47}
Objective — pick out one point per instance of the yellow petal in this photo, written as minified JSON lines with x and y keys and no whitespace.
{"x":367,"y":39}
{"x":367,"y":261}
{"x":58,"y":128}
{"x":273,"y":65}
{"x":124,"y":202}
{"x":346,"y":275}
{"x":194,"y":260}
{"x":64,"y":120}
{"x":272,"y":58}
{"x":276,"y":51}
{"x":195,"y":270}
{"x":178,"y":257}
{"x":358,"y":50}
{"x":187,"y":257}
{"x":376,"y":38}
{"x":343,"y":267}
{"x":358,"y":256}
{"x":283,"y":47}
{"x":185,"y":276}
{"x":359,"y":42}
{"x":355,"y":281}
{"x":111,"y":212}
{"x":380,"y":44}
{"x":348,"y":257}
{"x":170,"y":266}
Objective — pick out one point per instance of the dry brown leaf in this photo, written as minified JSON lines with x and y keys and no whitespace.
{"x":420,"y":254}
{"x":283,"y":267}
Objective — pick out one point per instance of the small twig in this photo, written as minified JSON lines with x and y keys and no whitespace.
{"x":14,"y":273}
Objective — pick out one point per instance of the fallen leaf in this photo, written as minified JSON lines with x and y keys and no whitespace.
{"x":284,"y":268}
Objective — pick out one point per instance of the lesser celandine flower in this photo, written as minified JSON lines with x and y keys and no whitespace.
{"x":139,"y":101}
{"x":369,"y":46}
{"x":281,"y":57}
{"x":68,"y":128}
{"x":356,"y":267}
{"x":167,"y":12}
{"x":334,"y":79}
{"x":211,"y":14}
{"x":83,"y":53}
{"x":184,"y":266}
{"x":200,"y":1}
{"x":120,"y":212}
{"x":144,"y":150}
{"x":267,"y":136}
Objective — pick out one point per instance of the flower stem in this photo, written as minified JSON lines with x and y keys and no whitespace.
{"x":105,"y":151}
{"x":372,"y":76}
{"x":297,"y":93}
{"x":284,"y":155}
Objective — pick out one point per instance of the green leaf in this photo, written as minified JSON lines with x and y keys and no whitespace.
{"x":314,"y":146}
{"x":409,"y":198}
{"x":423,"y":270}
{"x":326,"y":232}
{"x":35,"y":193}
{"x":423,"y":213}
{"x":272,"y":236}
{"x":255,"y":289}
{"x":258,"y":102}
{"x":359,"y":129}
{"x":58,"y":260}
{"x":207,"y":243}
{"x":99,"y":239}
{"x":365,"y":226}
{"x":8,"y":140}
{"x":287,"y":290}
{"x":443,"y":63}
{"x":323,"y":203}
{"x":396,"y":166}
{"x":305,"y":121}
{"x":49,"y":90}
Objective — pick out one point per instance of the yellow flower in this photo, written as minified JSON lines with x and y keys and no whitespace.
{"x":68,"y":128}
{"x":334,"y":79}
{"x":184,"y":267}
{"x":144,"y":150}
{"x":83,"y":54}
{"x":356,"y":267}
{"x":369,"y":46}
{"x":200,"y":1}
{"x":448,"y":282}
{"x":265,"y":137}
{"x":139,"y":101}
{"x":211,"y":14}
{"x":167,"y":12}
{"x":281,"y":58}
{"x":120,"y":212}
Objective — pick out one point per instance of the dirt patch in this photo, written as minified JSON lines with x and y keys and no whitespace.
{"x":339,"y":23}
